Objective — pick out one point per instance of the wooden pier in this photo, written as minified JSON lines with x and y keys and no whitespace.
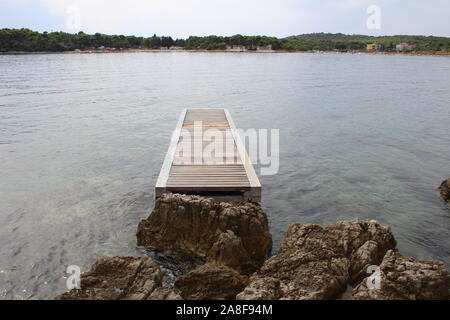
{"x":190,"y":167}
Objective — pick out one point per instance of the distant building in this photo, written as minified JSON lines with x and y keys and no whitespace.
{"x":404,"y":47}
{"x":236,"y":48}
{"x":268,"y":47}
{"x":103,"y":48}
{"x":239,"y":48}
{"x":372,"y":47}
{"x":176,"y":48}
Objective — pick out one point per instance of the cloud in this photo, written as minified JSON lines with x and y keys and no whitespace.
{"x":181,"y":18}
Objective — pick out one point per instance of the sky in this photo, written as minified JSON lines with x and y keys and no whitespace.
{"x":182,"y":18}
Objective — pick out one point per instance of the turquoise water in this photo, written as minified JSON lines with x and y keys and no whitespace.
{"x":82,"y":139}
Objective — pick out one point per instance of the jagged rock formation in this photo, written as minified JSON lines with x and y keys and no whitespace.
{"x":122,"y":278}
{"x":231,"y":242}
{"x":211,"y":281}
{"x":233,"y":235}
{"x":444,"y":189}
{"x":231,"y":239}
{"x":317,"y":262}
{"x":404,"y":278}
{"x":164,"y":293}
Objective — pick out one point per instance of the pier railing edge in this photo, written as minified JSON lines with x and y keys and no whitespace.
{"x":251,"y":174}
{"x":161,"y":183}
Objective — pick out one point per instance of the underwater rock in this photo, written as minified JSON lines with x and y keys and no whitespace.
{"x":444,"y":189}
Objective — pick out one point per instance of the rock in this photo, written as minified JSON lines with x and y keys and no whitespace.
{"x":232,"y":240}
{"x":365,"y":256}
{"x":301,"y":275}
{"x":164,"y":293}
{"x":228,"y":250}
{"x":211,"y":282}
{"x":317,"y":262}
{"x":403,"y":278}
{"x":192,"y":227}
{"x":120,"y":278}
{"x":261,"y":289}
{"x":444,"y":189}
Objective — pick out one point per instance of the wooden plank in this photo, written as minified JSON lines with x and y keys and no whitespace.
{"x":222,"y":171}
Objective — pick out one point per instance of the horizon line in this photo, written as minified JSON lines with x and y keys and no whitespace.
{"x":251,"y":35}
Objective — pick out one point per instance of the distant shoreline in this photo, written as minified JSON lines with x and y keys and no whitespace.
{"x":436,"y":54}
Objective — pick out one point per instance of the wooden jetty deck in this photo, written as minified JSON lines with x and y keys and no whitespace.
{"x":189,"y":169}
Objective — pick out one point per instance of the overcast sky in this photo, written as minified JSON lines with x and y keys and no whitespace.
{"x":181,"y":18}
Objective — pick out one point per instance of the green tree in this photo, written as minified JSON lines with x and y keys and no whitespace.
{"x":167,"y":42}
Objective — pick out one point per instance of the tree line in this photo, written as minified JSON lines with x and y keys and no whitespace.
{"x":343,"y":42}
{"x":28,"y":40}
{"x":218,"y":42}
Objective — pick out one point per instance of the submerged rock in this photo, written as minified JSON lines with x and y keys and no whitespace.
{"x":404,"y":278}
{"x":122,"y":278}
{"x":317,"y":262}
{"x":444,"y":189}
{"x":211,"y":281}
{"x":192,"y":227}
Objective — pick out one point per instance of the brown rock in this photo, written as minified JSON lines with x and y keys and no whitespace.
{"x":365,"y":256}
{"x":235,"y":235}
{"x":403,"y":278}
{"x":317,"y":262}
{"x":164,"y":293}
{"x":211,"y":282}
{"x":444,"y":189}
{"x":119,"y":278}
{"x":301,"y":275}
{"x":228,"y":250}
{"x":263,"y":288}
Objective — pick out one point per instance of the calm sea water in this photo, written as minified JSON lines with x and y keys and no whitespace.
{"x":82,"y":139}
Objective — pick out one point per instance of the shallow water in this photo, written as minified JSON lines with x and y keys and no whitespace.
{"x":82,"y":139}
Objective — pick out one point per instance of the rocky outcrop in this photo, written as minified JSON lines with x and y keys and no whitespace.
{"x":406,"y":279}
{"x":211,"y":281}
{"x":317,"y":262}
{"x":261,"y":288}
{"x":230,"y":239}
{"x":122,"y":278}
{"x":164,"y":293}
{"x":229,"y":242}
{"x":192,"y":227}
{"x":444,"y":189}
